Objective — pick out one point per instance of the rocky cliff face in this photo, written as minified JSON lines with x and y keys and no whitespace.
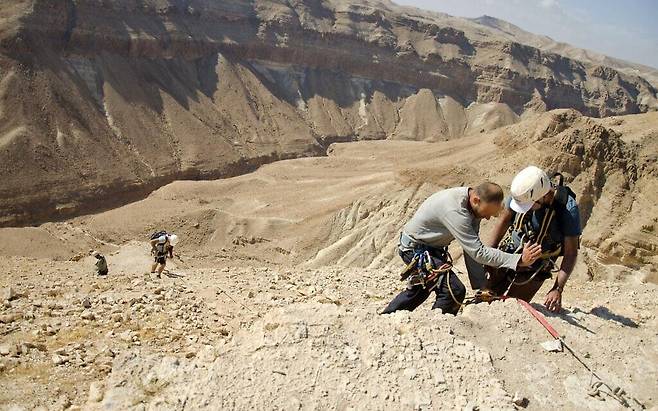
{"x":101,"y":101}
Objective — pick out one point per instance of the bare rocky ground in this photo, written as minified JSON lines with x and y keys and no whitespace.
{"x":243,"y":336}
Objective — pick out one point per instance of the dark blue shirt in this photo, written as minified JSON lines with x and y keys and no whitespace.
{"x":565,"y":223}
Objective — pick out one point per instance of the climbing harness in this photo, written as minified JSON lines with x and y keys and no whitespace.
{"x":425,"y":274}
{"x":421,"y":271}
{"x":522,"y":231}
{"x":545,"y":266}
{"x":597,"y":387}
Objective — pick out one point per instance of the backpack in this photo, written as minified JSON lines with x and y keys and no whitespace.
{"x":562,"y":192}
{"x":157,"y":235}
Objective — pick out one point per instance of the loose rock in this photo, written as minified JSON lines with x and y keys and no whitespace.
{"x":5,"y":349}
{"x":88,"y":315}
{"x":96,"y":391}
{"x":59,"y":359}
{"x":519,"y":400}
{"x":8,"y":294}
{"x":9,"y":318}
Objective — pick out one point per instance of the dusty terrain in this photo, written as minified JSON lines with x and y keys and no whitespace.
{"x":273,"y":302}
{"x":286,"y":143}
{"x":102,"y":102}
{"x":305,"y":339}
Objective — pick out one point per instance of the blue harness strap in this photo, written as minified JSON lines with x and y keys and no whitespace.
{"x":420,"y":270}
{"x":425,"y":273}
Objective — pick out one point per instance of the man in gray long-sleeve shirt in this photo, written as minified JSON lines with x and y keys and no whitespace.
{"x":451,"y":214}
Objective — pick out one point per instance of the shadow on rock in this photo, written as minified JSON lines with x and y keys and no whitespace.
{"x":572,"y":317}
{"x":606,"y":314}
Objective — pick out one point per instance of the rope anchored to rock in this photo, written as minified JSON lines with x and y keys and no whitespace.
{"x":598,"y":387}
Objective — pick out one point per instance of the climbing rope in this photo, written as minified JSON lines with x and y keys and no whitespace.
{"x":472,"y":299}
{"x":238,"y":303}
{"x":596,"y":387}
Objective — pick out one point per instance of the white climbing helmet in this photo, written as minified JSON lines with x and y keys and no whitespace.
{"x":531,"y":184}
{"x":173,"y":239}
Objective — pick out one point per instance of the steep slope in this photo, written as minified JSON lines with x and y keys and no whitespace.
{"x":225,"y":333}
{"x":103,"y":101}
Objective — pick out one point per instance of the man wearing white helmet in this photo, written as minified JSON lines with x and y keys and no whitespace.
{"x":538,"y":211}
{"x":161,"y":247}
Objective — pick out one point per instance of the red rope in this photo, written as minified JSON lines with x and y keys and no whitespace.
{"x":540,"y":318}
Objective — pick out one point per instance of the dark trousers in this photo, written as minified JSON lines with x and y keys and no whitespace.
{"x":412,"y":297}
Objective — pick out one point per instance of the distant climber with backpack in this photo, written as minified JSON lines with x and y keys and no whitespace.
{"x":162,"y":246}
{"x":543,"y":212}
